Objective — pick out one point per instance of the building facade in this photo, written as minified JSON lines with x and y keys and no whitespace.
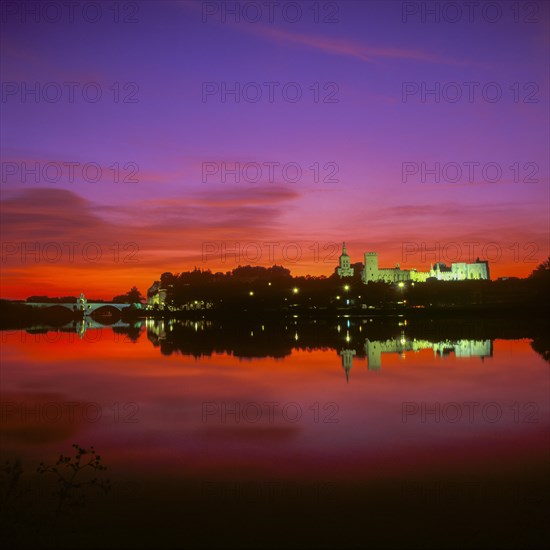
{"x":460,"y":271}
{"x":344,"y":268}
{"x":156,"y":296}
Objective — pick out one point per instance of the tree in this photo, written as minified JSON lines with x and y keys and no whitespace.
{"x":133,"y":296}
{"x":167,"y":279}
{"x":542,"y":271}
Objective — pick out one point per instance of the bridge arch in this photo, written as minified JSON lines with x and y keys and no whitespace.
{"x":59,"y":314}
{"x":106,"y":314}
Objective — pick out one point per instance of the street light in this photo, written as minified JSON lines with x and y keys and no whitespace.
{"x":295,"y":290}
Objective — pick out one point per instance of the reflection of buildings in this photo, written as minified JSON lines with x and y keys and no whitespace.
{"x":461,"y":348}
{"x":161,"y":329}
{"x":278,"y":339}
{"x":156,"y":328}
{"x":347,"y":360}
{"x":82,"y":325}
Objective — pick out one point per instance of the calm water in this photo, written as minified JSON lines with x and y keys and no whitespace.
{"x":396,"y":433}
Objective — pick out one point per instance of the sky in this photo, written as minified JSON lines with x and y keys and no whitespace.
{"x":144,"y":137}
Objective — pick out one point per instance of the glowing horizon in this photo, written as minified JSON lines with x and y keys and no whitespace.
{"x":169,"y":140}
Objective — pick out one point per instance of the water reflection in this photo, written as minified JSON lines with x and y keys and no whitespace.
{"x":373,"y":350}
{"x":82,"y":326}
{"x":353,"y":340}
{"x":204,"y":337}
{"x":461,"y":348}
{"x":181,"y":412}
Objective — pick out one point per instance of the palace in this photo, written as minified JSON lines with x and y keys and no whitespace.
{"x":459,"y":271}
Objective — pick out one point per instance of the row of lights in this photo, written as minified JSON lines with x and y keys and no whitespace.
{"x":296,"y":290}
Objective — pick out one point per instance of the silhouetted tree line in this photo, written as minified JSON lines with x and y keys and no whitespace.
{"x":48,"y":300}
{"x":255,"y":288}
{"x":133,"y":296}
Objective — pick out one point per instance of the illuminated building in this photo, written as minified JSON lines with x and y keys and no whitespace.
{"x":459,"y":271}
{"x":156,"y":295}
{"x":345,"y":269}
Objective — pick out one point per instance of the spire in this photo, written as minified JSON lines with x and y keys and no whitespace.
{"x":347,"y":361}
{"x":344,"y":253}
{"x":347,"y":367}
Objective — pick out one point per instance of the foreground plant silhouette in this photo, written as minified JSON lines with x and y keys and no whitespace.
{"x":11,"y":472}
{"x":70,"y":479}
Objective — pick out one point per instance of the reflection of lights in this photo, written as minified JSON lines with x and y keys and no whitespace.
{"x":296,"y":337}
{"x":263,"y":328}
{"x":295,"y":290}
{"x":337,"y":297}
{"x":338,"y":328}
{"x":348,"y":339}
{"x":251,"y":293}
{"x":251,"y":333}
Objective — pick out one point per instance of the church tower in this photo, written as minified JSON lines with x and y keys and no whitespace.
{"x":345,"y":269}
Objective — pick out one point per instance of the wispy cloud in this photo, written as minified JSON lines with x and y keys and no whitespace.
{"x":334,"y":46}
{"x":338,"y":46}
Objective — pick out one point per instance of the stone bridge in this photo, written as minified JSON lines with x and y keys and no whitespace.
{"x":82,"y":305}
{"x":90,"y":306}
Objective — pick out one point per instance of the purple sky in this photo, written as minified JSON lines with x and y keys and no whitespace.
{"x":367,"y":134}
